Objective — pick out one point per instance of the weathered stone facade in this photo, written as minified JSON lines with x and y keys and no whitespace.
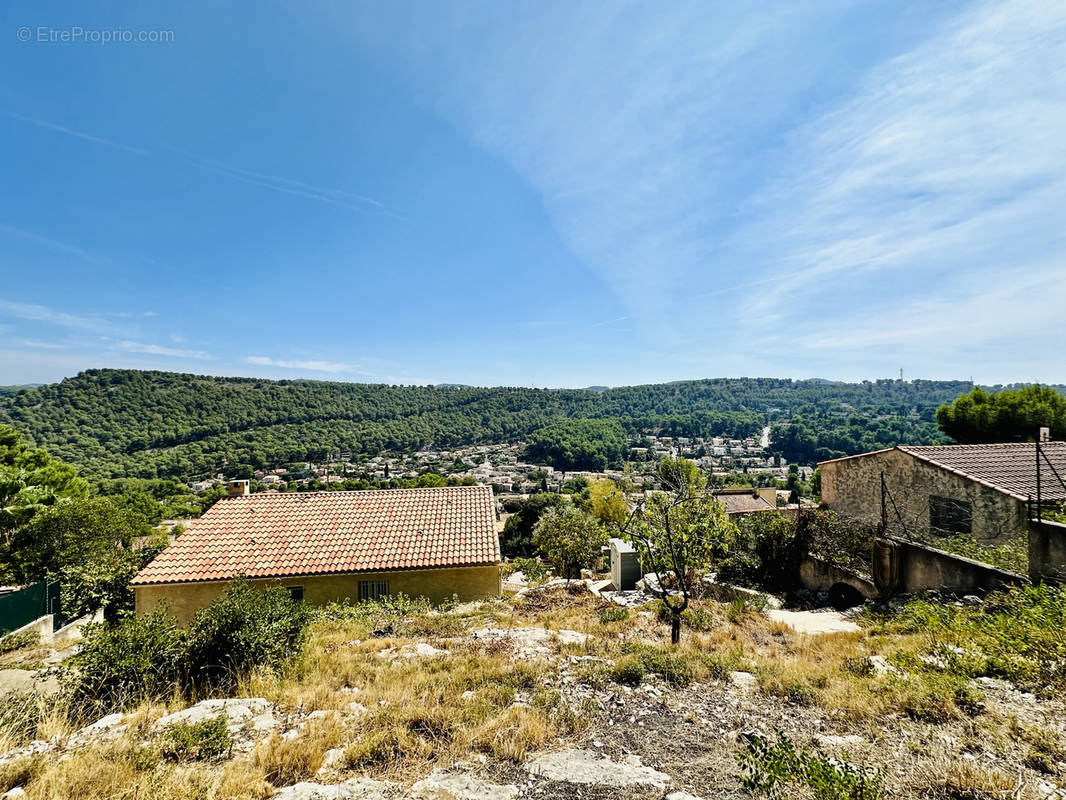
{"x":852,"y":487}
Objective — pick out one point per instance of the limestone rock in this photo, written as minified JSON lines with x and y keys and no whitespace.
{"x":530,"y":642}
{"x":247,"y":718}
{"x":744,"y":680}
{"x":444,"y":785}
{"x":353,"y":789}
{"x":105,"y":728}
{"x":681,"y":796}
{"x":418,"y":650}
{"x":587,"y":767}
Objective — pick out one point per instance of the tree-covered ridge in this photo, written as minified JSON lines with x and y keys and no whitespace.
{"x":128,"y":423}
{"x":580,"y":444}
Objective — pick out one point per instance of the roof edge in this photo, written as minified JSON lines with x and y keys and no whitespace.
{"x":280,"y":575}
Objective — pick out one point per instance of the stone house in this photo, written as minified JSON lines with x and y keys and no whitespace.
{"x":979,"y":490}
{"x":332,"y":546}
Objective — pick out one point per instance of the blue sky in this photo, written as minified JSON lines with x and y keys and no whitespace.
{"x":542,"y":193}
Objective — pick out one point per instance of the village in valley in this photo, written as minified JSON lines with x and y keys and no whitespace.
{"x":502,"y":466}
{"x":580,"y":400}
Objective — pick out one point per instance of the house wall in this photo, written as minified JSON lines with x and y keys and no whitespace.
{"x":852,"y":487}
{"x":469,"y":583}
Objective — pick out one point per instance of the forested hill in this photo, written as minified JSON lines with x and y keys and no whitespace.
{"x":127,"y":423}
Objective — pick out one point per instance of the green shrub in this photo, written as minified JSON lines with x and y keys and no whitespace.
{"x":18,"y":641}
{"x":206,"y":740}
{"x":771,"y":770}
{"x":120,"y":665}
{"x":535,"y":570}
{"x":641,"y":660}
{"x":243,"y":629}
{"x":629,"y":671}
{"x":613,"y":614}
{"x":720,"y":664}
{"x":1015,"y":634}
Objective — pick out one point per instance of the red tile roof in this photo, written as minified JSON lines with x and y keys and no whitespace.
{"x":1009,"y":468}
{"x":319,"y":533}
{"x":742,"y":501}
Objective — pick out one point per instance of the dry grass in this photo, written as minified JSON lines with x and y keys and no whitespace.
{"x":288,"y":761}
{"x":428,"y":712}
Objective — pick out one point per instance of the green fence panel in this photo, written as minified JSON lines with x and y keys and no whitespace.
{"x":23,"y":606}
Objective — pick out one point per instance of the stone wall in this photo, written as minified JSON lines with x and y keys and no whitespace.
{"x":819,"y":575}
{"x":1047,"y":551}
{"x":920,"y":568}
{"x":852,"y":487}
{"x":469,"y":583}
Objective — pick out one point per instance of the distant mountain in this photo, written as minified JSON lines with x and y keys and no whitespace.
{"x":129,"y":423}
{"x":596,"y":388}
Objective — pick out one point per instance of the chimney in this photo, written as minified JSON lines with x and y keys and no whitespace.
{"x":1045,"y":434}
{"x":768,"y":493}
{"x":237,"y":488}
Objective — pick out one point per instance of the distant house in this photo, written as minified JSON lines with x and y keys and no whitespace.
{"x":980,"y":490}
{"x":746,"y":501}
{"x":332,"y":546}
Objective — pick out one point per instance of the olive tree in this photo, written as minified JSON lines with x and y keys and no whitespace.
{"x":678,"y":532}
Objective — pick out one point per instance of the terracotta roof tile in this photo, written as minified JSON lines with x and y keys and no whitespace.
{"x":1009,"y":468}
{"x":278,"y":535}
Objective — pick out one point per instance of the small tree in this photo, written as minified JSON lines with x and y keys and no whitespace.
{"x":608,"y":503}
{"x":569,"y":538}
{"x":678,"y":533}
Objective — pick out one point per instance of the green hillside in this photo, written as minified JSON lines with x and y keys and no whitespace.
{"x":127,"y":423}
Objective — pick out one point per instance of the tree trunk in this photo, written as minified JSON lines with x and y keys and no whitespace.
{"x":675,"y":629}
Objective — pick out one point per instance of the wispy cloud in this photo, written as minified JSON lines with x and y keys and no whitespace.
{"x":949,"y":160}
{"x":37,"y":313}
{"x":159,"y":350}
{"x":728,"y":172}
{"x":309,"y":365}
{"x":37,"y":343}
{"x":608,"y":322}
{"x":337,"y":197}
{"x":55,"y":244}
{"x":40,"y":123}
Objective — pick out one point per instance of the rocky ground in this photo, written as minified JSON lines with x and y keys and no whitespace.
{"x":656,"y":737}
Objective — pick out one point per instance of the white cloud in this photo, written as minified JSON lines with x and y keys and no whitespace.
{"x":686,"y":153}
{"x":309,"y":365}
{"x":950,"y":160}
{"x":37,"y":313}
{"x":158,"y":350}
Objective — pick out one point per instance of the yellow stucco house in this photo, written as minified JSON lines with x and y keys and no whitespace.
{"x":332,"y":546}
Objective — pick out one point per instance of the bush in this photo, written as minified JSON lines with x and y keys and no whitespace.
{"x":18,"y":641}
{"x":642,"y":660}
{"x":243,"y":629}
{"x":535,"y":570}
{"x":149,"y":657}
{"x":120,"y":665}
{"x":207,"y":740}
{"x":613,"y":614}
{"x":770,"y":770}
{"x":570,"y":539}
